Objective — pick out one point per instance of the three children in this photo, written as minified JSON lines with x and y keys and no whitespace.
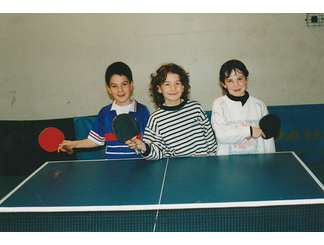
{"x":179,"y":126}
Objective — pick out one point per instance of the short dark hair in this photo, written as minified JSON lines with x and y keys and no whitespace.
{"x":119,"y":68}
{"x":228,"y":67}
{"x":160,"y":76}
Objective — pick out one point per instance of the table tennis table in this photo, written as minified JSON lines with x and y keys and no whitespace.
{"x":254,"y":192}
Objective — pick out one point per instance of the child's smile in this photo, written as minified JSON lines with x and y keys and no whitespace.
{"x":236,"y":83}
{"x":171,"y":89}
{"x":120,"y":89}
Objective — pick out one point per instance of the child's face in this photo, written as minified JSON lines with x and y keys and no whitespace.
{"x":120,"y":89}
{"x":171,"y":89}
{"x":236,"y":83}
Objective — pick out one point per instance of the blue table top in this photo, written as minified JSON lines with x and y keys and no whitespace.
{"x":142,"y":184}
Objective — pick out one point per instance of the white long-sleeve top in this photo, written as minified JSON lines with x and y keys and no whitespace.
{"x":231,"y":122}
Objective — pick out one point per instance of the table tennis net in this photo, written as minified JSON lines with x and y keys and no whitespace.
{"x":271,"y":218}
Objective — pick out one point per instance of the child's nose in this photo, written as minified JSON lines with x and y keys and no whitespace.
{"x":173,"y":87}
{"x":236,"y":83}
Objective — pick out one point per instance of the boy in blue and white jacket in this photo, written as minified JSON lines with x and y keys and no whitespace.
{"x":120,"y":86}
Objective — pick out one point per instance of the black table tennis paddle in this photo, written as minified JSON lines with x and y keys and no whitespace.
{"x":270,"y":126}
{"x":125,"y":127}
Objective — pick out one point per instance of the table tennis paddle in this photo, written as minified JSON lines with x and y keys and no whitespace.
{"x":50,"y":138}
{"x":125,"y":127}
{"x":270,"y":126}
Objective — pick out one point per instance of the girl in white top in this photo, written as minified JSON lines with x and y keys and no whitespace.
{"x":236,"y":115}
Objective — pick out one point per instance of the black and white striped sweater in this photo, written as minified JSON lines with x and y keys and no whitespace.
{"x":182,"y":130}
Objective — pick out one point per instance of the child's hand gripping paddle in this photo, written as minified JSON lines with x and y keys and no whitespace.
{"x":50,"y":139}
{"x":270,"y":126}
{"x":125,"y":127}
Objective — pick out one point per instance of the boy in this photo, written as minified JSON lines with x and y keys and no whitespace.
{"x":235,"y":116}
{"x":120,"y":86}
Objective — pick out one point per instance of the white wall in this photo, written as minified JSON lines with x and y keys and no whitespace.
{"x":52,"y":65}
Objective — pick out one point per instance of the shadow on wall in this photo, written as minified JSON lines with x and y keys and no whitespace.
{"x":20,"y":153}
{"x":302,"y":131}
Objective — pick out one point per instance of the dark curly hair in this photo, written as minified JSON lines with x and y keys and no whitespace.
{"x":227,"y":68}
{"x":159,"y":77}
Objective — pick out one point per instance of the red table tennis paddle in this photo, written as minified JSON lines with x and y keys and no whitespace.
{"x":50,"y":138}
